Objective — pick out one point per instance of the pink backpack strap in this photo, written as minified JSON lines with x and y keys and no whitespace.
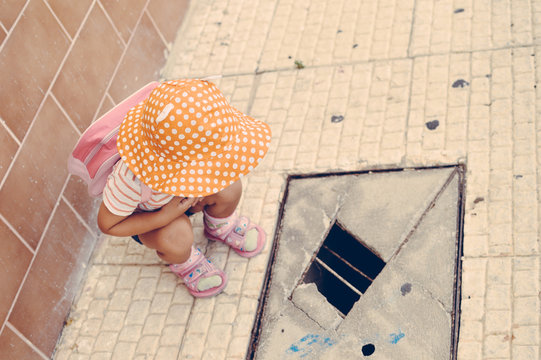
{"x":146,"y":192}
{"x":96,"y":153}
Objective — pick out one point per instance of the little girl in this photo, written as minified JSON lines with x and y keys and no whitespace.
{"x":186,"y":148}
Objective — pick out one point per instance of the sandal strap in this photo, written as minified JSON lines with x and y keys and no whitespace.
{"x":236,"y":237}
{"x":220,"y":229}
{"x":203,"y":270}
{"x":200,"y":267}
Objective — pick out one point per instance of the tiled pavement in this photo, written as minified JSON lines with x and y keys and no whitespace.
{"x":388,"y":67}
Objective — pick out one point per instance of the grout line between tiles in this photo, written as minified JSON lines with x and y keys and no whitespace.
{"x":112,"y":23}
{"x":107,"y":95}
{"x":408,"y":109}
{"x":277,"y":5}
{"x":156,"y":28}
{"x":6,"y":222}
{"x":78,"y":216}
{"x":410,"y":41}
{"x":65,"y":114}
{"x":369,"y":61}
{"x":8,"y":33}
{"x":26,"y":341}
{"x":514,"y":91}
{"x":6,"y":127}
{"x":59,"y":22}
{"x":130,"y":264}
{"x":536,"y":68}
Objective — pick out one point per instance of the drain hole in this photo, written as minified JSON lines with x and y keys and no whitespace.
{"x":368,"y":349}
{"x":343,"y":269}
{"x":353,"y":252}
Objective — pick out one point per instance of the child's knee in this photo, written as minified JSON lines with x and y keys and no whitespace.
{"x":228,"y":196}
{"x":232,"y":193}
{"x":175,"y":237}
{"x":178,"y":231}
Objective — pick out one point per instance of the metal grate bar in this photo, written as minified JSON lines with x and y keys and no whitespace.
{"x":338,"y":276}
{"x":348,"y":264}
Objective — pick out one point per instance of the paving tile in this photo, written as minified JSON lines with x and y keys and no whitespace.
{"x":70,"y":14}
{"x":15,"y":271}
{"x":15,"y":347}
{"x":7,"y":156}
{"x":124,"y":350}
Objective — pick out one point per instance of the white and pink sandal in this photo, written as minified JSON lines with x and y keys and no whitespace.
{"x":198,"y":267}
{"x":233,"y":234}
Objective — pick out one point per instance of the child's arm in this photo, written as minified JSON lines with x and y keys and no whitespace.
{"x":142,"y":222}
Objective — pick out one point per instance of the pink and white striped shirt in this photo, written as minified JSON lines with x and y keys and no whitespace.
{"x":122,"y":193}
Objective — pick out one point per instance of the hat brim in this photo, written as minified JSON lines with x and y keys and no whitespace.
{"x":196,"y":178}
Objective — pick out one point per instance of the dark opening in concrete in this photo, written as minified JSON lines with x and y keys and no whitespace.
{"x":343,"y":269}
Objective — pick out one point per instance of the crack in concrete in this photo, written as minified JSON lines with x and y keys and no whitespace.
{"x":308,"y":316}
{"x":423,"y":215}
{"x":429,"y":293}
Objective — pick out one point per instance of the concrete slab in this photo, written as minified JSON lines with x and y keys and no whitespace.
{"x":413,"y":295}
{"x":428,"y":257}
{"x":408,"y":307}
{"x":400,"y":325}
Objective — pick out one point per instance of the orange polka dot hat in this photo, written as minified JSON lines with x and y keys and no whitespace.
{"x":185,"y":139}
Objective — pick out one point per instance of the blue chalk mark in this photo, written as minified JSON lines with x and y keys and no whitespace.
{"x":308,"y":343}
{"x":328,"y":342}
{"x":394,"y":338}
{"x":310,"y":338}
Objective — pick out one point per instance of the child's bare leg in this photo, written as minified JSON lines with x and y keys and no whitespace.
{"x":221,"y":204}
{"x":173,"y":242}
{"x":220,"y":207}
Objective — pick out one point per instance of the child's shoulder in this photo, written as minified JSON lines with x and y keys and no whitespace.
{"x":126,"y":179}
{"x":122,"y":170}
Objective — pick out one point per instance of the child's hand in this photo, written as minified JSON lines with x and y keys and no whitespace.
{"x":178,"y":206}
{"x":198,"y":205}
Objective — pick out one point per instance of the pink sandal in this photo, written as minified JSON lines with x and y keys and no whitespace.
{"x":234,"y":236}
{"x":200,"y":268}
